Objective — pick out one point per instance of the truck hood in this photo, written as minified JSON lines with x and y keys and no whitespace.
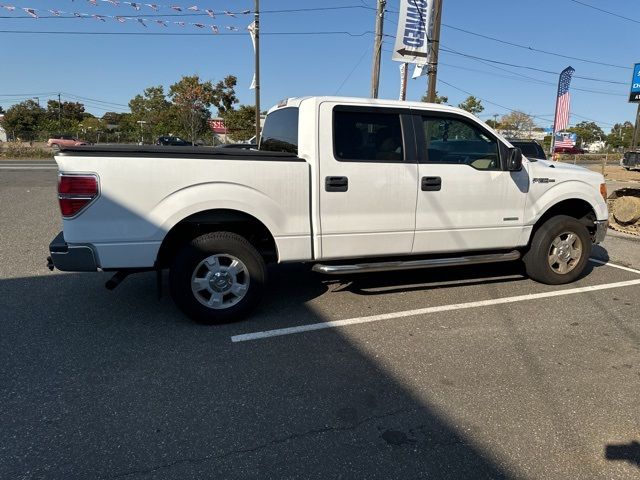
{"x":563,"y":172}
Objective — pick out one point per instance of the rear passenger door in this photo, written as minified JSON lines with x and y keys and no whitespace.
{"x":368,"y":181}
{"x":466,"y":200}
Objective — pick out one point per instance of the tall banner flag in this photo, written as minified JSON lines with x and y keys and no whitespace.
{"x":634,"y":96}
{"x":563,"y":104}
{"x":404,"y":74}
{"x":420,"y":70}
{"x":252,"y":32}
{"x":415,"y":25}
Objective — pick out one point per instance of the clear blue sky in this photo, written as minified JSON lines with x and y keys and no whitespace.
{"x":115,"y":68}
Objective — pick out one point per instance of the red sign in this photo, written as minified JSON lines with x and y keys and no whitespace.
{"x":217,"y":126}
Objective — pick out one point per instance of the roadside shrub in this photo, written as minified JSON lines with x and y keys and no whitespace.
{"x":16,"y":150}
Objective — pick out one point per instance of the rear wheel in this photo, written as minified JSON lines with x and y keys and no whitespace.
{"x":217,"y":278}
{"x":559,"y":251}
{"x":55,"y":147}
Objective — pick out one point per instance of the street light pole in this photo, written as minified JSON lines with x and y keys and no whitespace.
{"x":257,"y":68}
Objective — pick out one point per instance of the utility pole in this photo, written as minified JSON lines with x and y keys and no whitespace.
{"x":636,"y":131}
{"x":377,"y":48}
{"x":257,"y":68}
{"x":59,"y":113}
{"x":434,"y":48}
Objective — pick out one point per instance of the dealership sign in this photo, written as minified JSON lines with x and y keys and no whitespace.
{"x":217,"y":125}
{"x":414,"y":30}
{"x":635,"y":84}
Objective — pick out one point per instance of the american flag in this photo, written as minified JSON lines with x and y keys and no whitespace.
{"x":564,"y":141}
{"x":563,"y":101}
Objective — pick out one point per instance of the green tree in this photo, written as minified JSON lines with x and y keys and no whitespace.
{"x":241,"y":122}
{"x":92,"y":129}
{"x":1,"y":110}
{"x":69,"y":110}
{"x":192,"y":99}
{"x":62,"y":118}
{"x":621,"y":135}
{"x":472,"y":105}
{"x":153,"y":108}
{"x":24,"y":120}
{"x":438,"y":99}
{"x":493,"y":124}
{"x":588,"y":132}
{"x":517,"y":122}
{"x":224,"y":94}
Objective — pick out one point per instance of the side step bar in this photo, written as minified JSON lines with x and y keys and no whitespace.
{"x":415,"y":264}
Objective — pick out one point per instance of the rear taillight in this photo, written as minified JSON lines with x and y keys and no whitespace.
{"x":75,"y":192}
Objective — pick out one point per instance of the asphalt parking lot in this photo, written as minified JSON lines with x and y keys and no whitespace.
{"x":459,"y":373}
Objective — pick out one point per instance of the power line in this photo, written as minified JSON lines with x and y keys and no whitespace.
{"x":532,"y":80}
{"x":613,"y":82}
{"x":533,"y":49}
{"x":181,"y":34}
{"x":366,"y":50}
{"x":67,"y":94}
{"x":203,"y":14}
{"x":516,"y":110}
{"x":606,"y":11}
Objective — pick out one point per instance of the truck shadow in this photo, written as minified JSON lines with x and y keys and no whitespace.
{"x":125,"y":385}
{"x":99,"y":385}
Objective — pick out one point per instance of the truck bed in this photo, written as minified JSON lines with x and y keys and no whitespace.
{"x":161,"y":151}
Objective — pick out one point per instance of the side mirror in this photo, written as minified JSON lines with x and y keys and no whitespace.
{"x":514,"y":162}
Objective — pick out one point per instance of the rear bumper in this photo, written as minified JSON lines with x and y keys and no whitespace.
{"x":71,"y":258}
{"x":601,"y":231}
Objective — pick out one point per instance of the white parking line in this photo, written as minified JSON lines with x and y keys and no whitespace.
{"x":608,"y":264}
{"x":442,"y":308}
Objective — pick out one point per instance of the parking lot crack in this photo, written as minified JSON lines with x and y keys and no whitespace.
{"x":277,"y":441}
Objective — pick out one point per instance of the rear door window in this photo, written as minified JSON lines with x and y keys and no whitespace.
{"x":280,"y":132}
{"x":367,"y":136}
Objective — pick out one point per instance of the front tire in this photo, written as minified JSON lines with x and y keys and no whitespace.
{"x":217,"y":278}
{"x":559,"y":251}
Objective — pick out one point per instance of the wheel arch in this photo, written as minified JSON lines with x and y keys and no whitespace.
{"x":578,"y":208}
{"x":221,"y":219}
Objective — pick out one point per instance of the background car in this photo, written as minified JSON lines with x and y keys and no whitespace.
{"x":530,"y":148}
{"x":59,"y":141}
{"x":242,"y":146}
{"x":569,"y":150}
{"x":172,"y":141}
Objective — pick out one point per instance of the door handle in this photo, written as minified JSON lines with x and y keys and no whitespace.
{"x":431,"y":184}
{"x":336,"y":184}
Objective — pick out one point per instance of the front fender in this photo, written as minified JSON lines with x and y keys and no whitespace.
{"x":542,"y":201}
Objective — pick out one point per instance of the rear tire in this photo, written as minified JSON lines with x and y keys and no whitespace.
{"x":217,"y":278}
{"x":559,"y":251}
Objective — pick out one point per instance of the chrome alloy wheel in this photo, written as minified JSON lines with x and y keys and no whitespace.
{"x":220,"y":281}
{"x":565,"y":253}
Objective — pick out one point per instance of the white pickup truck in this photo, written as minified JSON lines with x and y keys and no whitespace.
{"x":349,"y":185}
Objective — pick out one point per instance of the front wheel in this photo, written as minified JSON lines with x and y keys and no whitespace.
{"x":559,"y":251}
{"x":217,"y":278}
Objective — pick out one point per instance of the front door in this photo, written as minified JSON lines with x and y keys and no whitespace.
{"x":466,"y":201}
{"x":368,"y":181}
